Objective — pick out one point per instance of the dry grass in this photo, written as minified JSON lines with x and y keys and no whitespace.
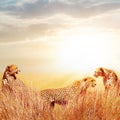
{"x":26,"y":104}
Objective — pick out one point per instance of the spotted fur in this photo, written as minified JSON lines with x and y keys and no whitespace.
{"x":110,"y":78}
{"x":62,"y":96}
{"x":8,"y":77}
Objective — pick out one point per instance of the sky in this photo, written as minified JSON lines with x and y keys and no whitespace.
{"x":60,"y":35}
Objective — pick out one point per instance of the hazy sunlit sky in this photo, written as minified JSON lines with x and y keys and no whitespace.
{"x":60,"y":35}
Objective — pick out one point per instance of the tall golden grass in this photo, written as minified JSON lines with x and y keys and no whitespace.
{"x":26,"y":104}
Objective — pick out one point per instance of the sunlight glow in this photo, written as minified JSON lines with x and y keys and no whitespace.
{"x":84,"y":51}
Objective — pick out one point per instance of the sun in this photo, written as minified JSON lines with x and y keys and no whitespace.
{"x":83,"y":52}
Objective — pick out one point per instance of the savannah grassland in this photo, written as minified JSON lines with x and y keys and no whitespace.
{"x":92,"y":106}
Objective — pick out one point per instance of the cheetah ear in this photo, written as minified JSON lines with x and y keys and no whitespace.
{"x":102,"y":70}
{"x":85,"y":79}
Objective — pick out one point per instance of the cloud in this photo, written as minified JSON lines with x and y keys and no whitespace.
{"x":11,"y":33}
{"x":7,"y":3}
{"x":28,"y":20}
{"x":83,"y":8}
{"x":14,"y":29}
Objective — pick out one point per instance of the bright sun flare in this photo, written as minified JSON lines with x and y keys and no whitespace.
{"x":83,"y":52}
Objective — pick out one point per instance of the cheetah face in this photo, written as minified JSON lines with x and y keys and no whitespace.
{"x":99,"y":72}
{"x":90,"y":82}
{"x":13,"y":69}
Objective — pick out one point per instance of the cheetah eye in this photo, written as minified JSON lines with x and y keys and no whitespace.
{"x":8,"y":67}
{"x":93,"y":80}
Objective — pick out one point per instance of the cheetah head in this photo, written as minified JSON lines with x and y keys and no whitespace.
{"x":89,"y":82}
{"x":99,"y":72}
{"x":12,"y":69}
